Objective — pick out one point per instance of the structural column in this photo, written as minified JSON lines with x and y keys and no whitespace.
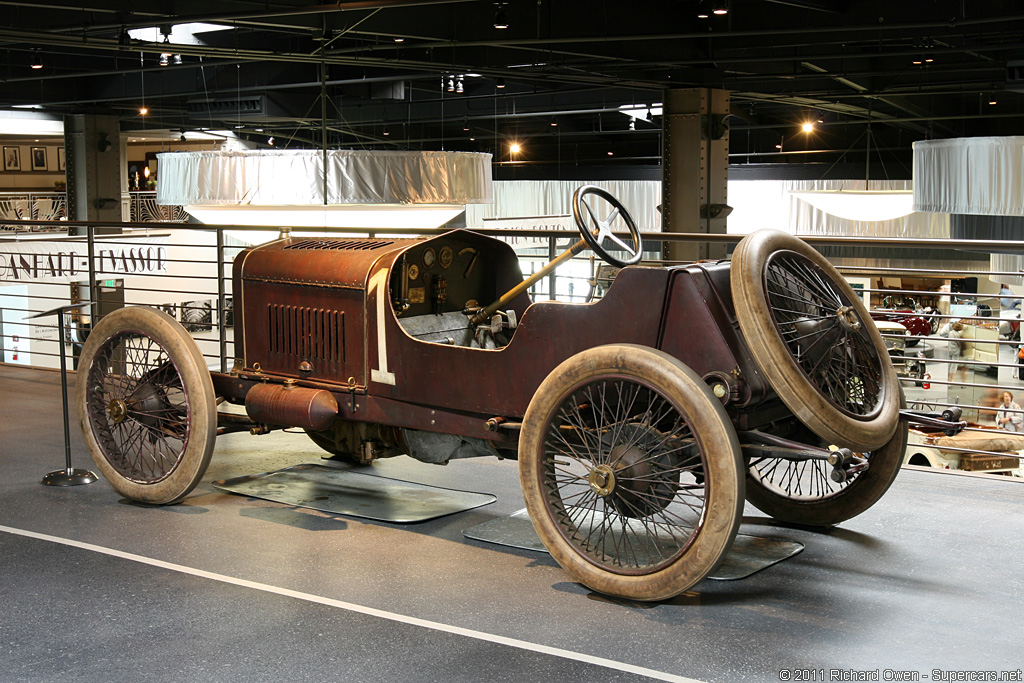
{"x":695,"y":169}
{"x":96,"y":167}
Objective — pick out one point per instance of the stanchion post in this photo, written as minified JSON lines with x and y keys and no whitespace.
{"x":68,"y":476}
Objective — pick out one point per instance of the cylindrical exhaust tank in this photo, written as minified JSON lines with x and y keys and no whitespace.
{"x":291,"y":406}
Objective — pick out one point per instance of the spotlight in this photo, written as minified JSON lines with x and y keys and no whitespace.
{"x":177,"y":60}
{"x":554,"y":123}
{"x":458,"y":85}
{"x":632,"y":124}
{"x":917,"y":60}
{"x":386,"y":131}
{"x":500,"y":20}
{"x":807,"y":127}
{"x":514,"y":148}
{"x":182,"y":138}
{"x":124,"y":39}
{"x":611,"y":153}
{"x":992,"y":99}
{"x":703,"y":9}
{"x":399,"y":39}
{"x":37,"y":60}
{"x":165,"y":57}
{"x":465,"y":125}
{"x":720,"y":7}
{"x":499,"y":83}
{"x":143,"y":111}
{"x":451,"y":85}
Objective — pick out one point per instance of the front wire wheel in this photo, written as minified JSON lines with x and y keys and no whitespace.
{"x":631,"y":472}
{"x":802,"y":492}
{"x":814,"y":340}
{"x":146,"y":405}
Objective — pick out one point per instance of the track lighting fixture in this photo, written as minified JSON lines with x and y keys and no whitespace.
{"x":458,"y":85}
{"x":165,"y":57}
{"x":500,"y":19}
{"x":451,"y":84}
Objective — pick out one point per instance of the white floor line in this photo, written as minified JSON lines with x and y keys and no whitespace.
{"x":360,"y":609}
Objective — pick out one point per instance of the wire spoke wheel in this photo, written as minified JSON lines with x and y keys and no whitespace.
{"x":803,"y":492}
{"x":630,"y":472}
{"x":814,"y":340}
{"x":146,"y":405}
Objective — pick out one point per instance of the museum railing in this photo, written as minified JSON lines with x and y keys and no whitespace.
{"x":142,"y":208}
{"x":922,"y":285}
{"x":17,"y":207}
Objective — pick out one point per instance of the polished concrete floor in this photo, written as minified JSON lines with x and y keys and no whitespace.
{"x":229,"y":588}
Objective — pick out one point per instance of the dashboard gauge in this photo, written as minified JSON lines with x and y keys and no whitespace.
{"x":446,"y":256}
{"x":428,"y":258}
{"x":414,"y":271}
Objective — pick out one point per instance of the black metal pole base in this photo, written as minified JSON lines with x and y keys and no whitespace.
{"x":68,"y":477}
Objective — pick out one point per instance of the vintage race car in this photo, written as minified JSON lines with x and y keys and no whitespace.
{"x":640,"y":421}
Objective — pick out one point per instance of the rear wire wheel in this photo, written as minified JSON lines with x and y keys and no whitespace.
{"x":802,"y":492}
{"x":814,"y":340}
{"x":631,"y":472}
{"x":146,"y":405}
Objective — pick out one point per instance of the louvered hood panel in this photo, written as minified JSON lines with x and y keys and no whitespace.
{"x":302,"y":302}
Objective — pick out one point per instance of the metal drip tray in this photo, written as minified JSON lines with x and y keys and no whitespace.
{"x":345,"y":492}
{"x":748,"y":554}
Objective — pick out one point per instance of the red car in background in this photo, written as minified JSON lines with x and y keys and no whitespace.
{"x":918,"y":325}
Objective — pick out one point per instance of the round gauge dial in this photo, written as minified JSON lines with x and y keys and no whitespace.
{"x":446,"y":256}
{"x":414,"y":271}
{"x":429,"y":256}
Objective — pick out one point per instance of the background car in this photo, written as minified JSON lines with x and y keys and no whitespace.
{"x":897,"y":338}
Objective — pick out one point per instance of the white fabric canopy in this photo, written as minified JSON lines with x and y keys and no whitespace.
{"x":296,"y":177}
{"x":982,"y":176}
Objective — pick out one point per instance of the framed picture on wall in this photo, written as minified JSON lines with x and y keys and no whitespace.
{"x":38,"y":158}
{"x":60,"y":159}
{"x":12,"y":158}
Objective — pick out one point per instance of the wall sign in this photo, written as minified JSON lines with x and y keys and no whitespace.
{"x":52,"y":262}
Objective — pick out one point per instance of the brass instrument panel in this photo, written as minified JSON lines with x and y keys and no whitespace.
{"x":443,"y":274}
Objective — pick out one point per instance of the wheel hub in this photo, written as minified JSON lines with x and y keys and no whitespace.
{"x":602,"y":480}
{"x":639,"y":484}
{"x":848,"y":318}
{"x":117,"y":410}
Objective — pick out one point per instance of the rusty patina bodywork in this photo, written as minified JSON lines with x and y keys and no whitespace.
{"x":333,"y":314}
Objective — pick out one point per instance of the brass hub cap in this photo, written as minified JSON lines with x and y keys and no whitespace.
{"x":848,"y":317}
{"x":117,"y":410}
{"x":602,"y":480}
